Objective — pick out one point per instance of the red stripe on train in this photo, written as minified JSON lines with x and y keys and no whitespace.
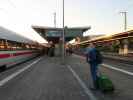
{"x":2,"y":56}
{"x":22,"y":53}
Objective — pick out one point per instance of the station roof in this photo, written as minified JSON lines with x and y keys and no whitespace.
{"x":105,"y":38}
{"x":53,"y":34}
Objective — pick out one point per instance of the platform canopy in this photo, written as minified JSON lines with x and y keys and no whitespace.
{"x":54,"y":34}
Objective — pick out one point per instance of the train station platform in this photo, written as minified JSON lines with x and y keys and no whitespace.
{"x":46,"y":78}
{"x":122,"y":58}
{"x":128,"y":59}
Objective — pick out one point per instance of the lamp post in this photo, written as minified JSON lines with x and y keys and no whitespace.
{"x":125,"y":19}
{"x":55,"y":19}
{"x":63,"y":38}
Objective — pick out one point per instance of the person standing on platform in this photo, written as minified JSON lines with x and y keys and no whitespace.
{"x":51,"y":51}
{"x":94,"y":59}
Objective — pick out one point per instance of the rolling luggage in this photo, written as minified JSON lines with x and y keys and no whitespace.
{"x":105,"y":84}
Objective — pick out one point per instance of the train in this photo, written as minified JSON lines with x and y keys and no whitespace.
{"x":15,"y":49}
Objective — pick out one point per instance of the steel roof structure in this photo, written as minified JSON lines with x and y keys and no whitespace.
{"x":54,"y":34}
{"x":105,"y":38}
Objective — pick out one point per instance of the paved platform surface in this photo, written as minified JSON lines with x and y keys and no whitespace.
{"x":45,"y":80}
{"x":123,"y":82}
{"x":49,"y":79}
{"x":121,"y":58}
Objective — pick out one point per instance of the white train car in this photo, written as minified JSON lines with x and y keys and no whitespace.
{"x":15,"y":48}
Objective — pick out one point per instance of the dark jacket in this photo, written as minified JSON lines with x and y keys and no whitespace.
{"x":91,"y":55}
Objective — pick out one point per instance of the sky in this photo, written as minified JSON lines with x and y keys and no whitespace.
{"x":102,"y":15}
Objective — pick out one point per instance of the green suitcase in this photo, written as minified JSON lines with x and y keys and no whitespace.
{"x":105,"y":84}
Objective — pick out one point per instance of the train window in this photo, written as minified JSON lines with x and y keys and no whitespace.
{"x":27,"y":46}
{"x":13,"y":45}
{"x":1,"y":44}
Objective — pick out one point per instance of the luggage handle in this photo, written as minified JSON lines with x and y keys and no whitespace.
{"x":99,"y":73}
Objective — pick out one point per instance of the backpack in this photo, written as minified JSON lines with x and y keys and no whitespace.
{"x":99,"y":57}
